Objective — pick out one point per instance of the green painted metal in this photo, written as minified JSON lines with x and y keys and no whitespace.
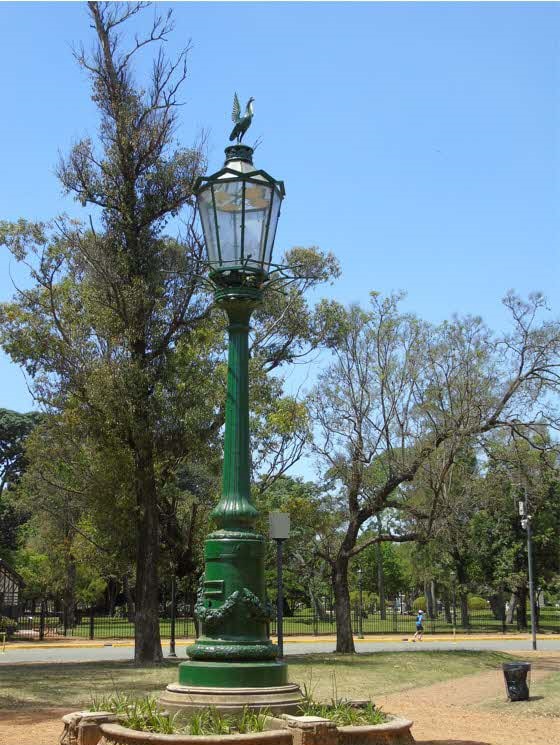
{"x":241,"y":121}
{"x":233,"y":648}
{"x":233,"y":674}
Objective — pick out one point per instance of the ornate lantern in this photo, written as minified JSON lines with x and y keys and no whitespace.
{"x":239,"y":208}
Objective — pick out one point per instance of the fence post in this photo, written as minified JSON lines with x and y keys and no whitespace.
{"x":91,"y":623}
{"x":394,"y":618}
{"x":42,"y":621}
{"x":65,"y":621}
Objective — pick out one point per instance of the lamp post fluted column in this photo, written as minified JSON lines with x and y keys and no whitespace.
{"x":231,"y":606}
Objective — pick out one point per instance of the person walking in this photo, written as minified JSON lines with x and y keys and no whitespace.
{"x":419,"y":627}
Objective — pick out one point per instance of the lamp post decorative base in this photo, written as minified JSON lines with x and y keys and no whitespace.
{"x":231,"y":674}
{"x":186,"y":699}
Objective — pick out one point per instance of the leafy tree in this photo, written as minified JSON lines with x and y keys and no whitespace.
{"x":516,"y":466}
{"x":305,"y":578}
{"x":401,"y":393}
{"x":14,"y":430}
{"x":112,"y":299}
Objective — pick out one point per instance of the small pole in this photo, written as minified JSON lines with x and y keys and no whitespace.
{"x":173,"y":615}
{"x":526,"y":523}
{"x":279,"y":597}
{"x":360,"y":605}
{"x":454,"y":601}
{"x":91,"y":622}
{"x":279,"y":531}
{"x":531,"y":584}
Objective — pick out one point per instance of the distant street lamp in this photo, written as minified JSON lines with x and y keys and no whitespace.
{"x":172,"y":652}
{"x":360,"y":604}
{"x":279,"y":531}
{"x":453,"y":576}
{"x":239,"y":208}
{"x":526,"y":525}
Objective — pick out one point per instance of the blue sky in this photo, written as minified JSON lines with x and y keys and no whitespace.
{"x":418,"y":141}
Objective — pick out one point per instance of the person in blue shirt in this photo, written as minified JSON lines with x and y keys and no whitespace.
{"x":419,"y":626}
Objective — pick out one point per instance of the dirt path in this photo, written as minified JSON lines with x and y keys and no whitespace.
{"x":457,"y":711}
{"x":31,"y":726}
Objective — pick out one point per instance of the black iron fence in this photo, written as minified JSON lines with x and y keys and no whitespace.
{"x":396,"y":621}
{"x":91,"y":624}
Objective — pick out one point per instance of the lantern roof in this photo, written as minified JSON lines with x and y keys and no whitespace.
{"x":238,"y":165}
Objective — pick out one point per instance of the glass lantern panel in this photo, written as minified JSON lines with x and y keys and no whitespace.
{"x":274,"y":215}
{"x":229,"y":209}
{"x":257,"y":208}
{"x":206,"y":211}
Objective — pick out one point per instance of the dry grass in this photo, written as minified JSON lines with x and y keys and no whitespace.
{"x":327,"y":675}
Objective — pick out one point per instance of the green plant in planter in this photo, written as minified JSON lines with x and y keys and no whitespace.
{"x":115,"y":703}
{"x":144,"y":715}
{"x":340,"y":711}
{"x":344,"y":713}
{"x":212,"y":722}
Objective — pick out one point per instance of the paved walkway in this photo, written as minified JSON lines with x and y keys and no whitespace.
{"x":87,"y":651}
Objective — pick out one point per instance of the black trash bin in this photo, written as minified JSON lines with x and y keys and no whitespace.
{"x":517,"y":678}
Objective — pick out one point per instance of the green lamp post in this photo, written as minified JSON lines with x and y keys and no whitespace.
{"x":234,"y":658}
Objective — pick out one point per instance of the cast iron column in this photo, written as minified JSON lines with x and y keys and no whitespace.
{"x":233,"y":649}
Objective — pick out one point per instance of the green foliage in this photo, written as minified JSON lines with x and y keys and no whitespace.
{"x":344,"y":713}
{"x":419,"y":603}
{"x":14,"y":432}
{"x":7,"y":624}
{"x":144,"y":715}
{"x":475,"y":602}
{"x":115,"y":703}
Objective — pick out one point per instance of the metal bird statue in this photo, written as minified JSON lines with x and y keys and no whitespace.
{"x":242,"y":123}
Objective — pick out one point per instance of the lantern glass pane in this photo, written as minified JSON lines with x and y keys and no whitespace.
{"x":206,"y":211}
{"x":274,"y":215}
{"x":257,"y":208}
{"x":229,"y":210}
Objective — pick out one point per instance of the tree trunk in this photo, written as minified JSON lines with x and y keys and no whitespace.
{"x":464,"y":604}
{"x":129,"y":599}
{"x":498,"y":605}
{"x":429,"y":599}
{"x":147,"y":642}
{"x":511,"y":609}
{"x":344,"y":638}
{"x":380,"y":581}
{"x":433,"y":598}
{"x":447,"y":610}
{"x":522,"y":622}
{"x":317,"y":606}
{"x":69,"y":595}
{"x":111,"y":596}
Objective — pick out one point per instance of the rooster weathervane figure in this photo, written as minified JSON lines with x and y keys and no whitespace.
{"x":242,"y":123}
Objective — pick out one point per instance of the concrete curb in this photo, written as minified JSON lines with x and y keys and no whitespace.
{"x":395,"y":639}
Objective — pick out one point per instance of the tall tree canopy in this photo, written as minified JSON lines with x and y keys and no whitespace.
{"x":116,"y":331}
{"x":402,"y":398}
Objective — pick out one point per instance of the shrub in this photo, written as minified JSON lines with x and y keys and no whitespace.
{"x":419,"y":603}
{"x":477,"y":603}
{"x":7,"y":624}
